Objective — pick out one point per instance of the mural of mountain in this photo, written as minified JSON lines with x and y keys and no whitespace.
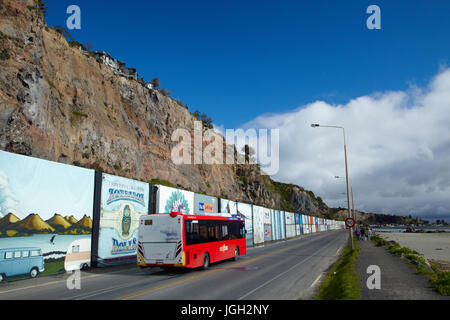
{"x":85,"y":222}
{"x":8,"y":220}
{"x":71,"y":219}
{"x":33,"y":223}
{"x":84,"y":226}
{"x":58,"y":222}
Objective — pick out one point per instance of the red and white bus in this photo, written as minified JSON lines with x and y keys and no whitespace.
{"x":189,"y":241}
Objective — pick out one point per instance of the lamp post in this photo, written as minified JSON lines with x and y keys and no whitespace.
{"x":353,"y":202}
{"x":346,"y":174}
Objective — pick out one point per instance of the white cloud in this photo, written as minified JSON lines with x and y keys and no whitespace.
{"x":8,"y":202}
{"x":398,"y":147}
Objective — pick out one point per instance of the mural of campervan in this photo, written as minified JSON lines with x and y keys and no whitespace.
{"x":78,"y":256}
{"x":21,"y":261}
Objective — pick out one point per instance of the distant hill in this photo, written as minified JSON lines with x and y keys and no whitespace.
{"x":71,"y":219}
{"x":376,"y":218}
{"x":59,"y":223}
{"x":84,"y":226}
{"x":33,"y":223}
{"x":8,"y":220}
{"x":85,"y":222}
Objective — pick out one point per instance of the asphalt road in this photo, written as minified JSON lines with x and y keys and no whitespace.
{"x":284,"y":270}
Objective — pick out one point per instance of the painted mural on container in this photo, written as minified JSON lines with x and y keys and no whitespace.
{"x":204,"y":205}
{"x":228,"y":206}
{"x":245,"y":211}
{"x":123,"y":202}
{"x":174,"y":200}
{"x":258,"y":224}
{"x":47,"y":216}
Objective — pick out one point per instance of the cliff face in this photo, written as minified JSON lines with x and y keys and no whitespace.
{"x":59,"y":104}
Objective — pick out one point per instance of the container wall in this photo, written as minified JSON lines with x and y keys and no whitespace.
{"x":246,"y":211}
{"x":258,"y":224}
{"x":268,"y":233}
{"x":123,"y":202}
{"x":204,"y":205}
{"x":228,"y":206}
{"x":174,"y":200}
{"x":283,"y":225}
{"x":47,"y":208}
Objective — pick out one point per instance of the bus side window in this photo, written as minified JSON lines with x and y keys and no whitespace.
{"x":8,"y":255}
{"x":234,"y":230}
{"x":25,"y":254}
{"x":192,"y":233}
{"x":225,"y":234}
{"x":17,"y":254}
{"x":203,"y":231}
{"x":242,"y":230}
{"x":213,"y":231}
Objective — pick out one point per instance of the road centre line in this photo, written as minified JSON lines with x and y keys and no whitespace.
{"x":152,"y":290}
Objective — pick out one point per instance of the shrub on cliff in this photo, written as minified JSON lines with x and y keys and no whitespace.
{"x":4,"y":55}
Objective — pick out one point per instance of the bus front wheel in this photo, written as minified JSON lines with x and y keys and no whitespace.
{"x":206,"y":261}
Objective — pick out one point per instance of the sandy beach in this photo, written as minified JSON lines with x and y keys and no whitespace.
{"x":435,"y":247}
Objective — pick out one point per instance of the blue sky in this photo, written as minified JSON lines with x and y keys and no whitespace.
{"x":260,"y":57}
{"x":265,"y":64}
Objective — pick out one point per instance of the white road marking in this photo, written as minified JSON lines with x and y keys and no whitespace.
{"x":317,"y":280}
{"x":286,"y":271}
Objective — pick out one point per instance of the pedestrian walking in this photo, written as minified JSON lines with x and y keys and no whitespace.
{"x":363,"y":234}
{"x":358,"y":233}
{"x":369,"y":233}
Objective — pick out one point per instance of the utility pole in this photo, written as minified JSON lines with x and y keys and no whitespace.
{"x":350,"y":230}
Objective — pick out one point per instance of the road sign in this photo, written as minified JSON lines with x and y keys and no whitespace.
{"x":349,"y":222}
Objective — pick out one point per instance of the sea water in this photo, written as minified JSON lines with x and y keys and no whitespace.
{"x":60,"y":244}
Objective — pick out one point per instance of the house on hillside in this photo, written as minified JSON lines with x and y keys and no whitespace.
{"x":106,"y":59}
{"x":130,"y":72}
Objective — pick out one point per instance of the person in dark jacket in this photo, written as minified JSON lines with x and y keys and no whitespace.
{"x":363,"y":234}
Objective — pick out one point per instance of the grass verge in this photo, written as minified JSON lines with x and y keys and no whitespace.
{"x":439,"y":279}
{"x":342,"y":281}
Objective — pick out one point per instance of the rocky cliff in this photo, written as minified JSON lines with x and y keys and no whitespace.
{"x":60,"y":104}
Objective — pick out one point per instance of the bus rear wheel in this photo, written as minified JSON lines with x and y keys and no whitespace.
{"x":34,"y":272}
{"x":206,"y":261}
{"x":1,"y":277}
{"x":236,"y":254}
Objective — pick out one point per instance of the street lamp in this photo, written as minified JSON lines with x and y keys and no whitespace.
{"x":353,"y":202}
{"x":315,"y":125}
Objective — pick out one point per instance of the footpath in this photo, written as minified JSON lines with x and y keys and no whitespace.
{"x":398,"y":280}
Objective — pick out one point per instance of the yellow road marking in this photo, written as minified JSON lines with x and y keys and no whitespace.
{"x":171,"y":284}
